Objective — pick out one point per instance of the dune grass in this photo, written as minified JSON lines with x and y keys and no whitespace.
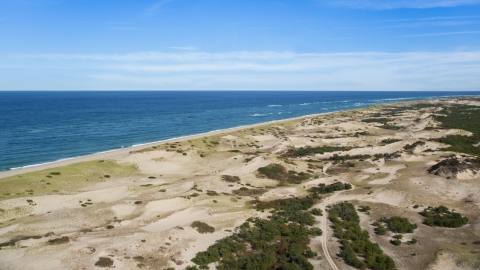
{"x":67,"y":178}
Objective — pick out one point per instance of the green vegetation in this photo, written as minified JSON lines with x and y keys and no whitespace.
{"x":324,"y":189}
{"x":104,"y":262}
{"x":278,"y":242}
{"x":338,"y":158}
{"x":357,"y":250}
{"x":379,"y":228}
{"x":212,"y":193}
{"x":12,"y":242}
{"x":280,"y":173}
{"x":68,"y":178}
{"x":397,"y":240}
{"x":60,"y":240}
{"x":377,"y":120}
{"x":390,"y":127}
{"x":398,"y":224}
{"x":203,"y":227}
{"x":414,"y":145}
{"x":365,"y":209}
{"x":230,"y":178}
{"x":244,"y":191}
{"x":316,"y":212}
{"x":461,"y":117}
{"x":442,"y":217}
{"x":389,"y":141}
{"x":308,"y":151}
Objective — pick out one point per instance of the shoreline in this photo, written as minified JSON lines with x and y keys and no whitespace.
{"x":122,"y":152}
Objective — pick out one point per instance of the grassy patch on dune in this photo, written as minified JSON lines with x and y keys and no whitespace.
{"x":67,"y":178}
{"x":280,"y":173}
{"x":310,"y":151}
{"x":466,"y":118}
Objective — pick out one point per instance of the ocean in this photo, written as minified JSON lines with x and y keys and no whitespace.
{"x":44,"y":126}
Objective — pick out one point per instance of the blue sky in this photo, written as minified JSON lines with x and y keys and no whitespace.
{"x":240,"y":45}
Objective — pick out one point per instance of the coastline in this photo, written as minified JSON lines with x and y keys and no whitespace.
{"x":122,"y":152}
{"x":49,"y":161}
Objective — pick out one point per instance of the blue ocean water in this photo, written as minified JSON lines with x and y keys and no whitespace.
{"x":44,"y":126}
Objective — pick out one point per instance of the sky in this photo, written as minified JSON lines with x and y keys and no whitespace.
{"x":240,"y":45}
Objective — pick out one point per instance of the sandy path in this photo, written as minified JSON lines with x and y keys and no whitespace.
{"x":330,"y":200}
{"x":324,"y":235}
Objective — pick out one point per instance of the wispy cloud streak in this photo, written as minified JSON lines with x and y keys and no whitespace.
{"x":395,"y":4}
{"x":444,"y":34}
{"x":271,"y":70}
{"x":158,"y":5}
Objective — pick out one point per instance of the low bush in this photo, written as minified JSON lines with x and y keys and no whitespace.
{"x":398,"y":224}
{"x":442,"y":217}
{"x":324,"y":189}
{"x":389,"y":141}
{"x":308,"y":151}
{"x":58,"y":241}
{"x":104,"y":262}
{"x":280,"y":173}
{"x":243,"y":191}
{"x":203,"y":227}
{"x":230,"y":178}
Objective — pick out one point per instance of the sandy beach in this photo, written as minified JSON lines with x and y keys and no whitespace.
{"x":135,"y":206}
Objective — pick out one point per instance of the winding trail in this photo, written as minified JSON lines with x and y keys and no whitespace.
{"x":330,"y":200}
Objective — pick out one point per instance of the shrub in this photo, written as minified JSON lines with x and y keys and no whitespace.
{"x":212,"y":193}
{"x":376,"y":120}
{"x":442,"y":217}
{"x":243,"y":191}
{"x":203,"y":227}
{"x":138,"y":202}
{"x":389,"y":141}
{"x":230,"y":178}
{"x":280,"y":173}
{"x":316,"y":212}
{"x":324,"y":189}
{"x":104,"y":262}
{"x":60,"y":240}
{"x":398,"y":224}
{"x":364,"y":208}
{"x":308,"y":151}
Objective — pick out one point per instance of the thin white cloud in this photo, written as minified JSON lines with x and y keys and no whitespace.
{"x":431,"y":18}
{"x":158,"y":5}
{"x":184,"y":48}
{"x":259,"y":70}
{"x":444,"y":34}
{"x":395,"y":4}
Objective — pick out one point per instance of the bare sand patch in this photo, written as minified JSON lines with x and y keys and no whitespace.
{"x":249,"y":168}
{"x":8,"y":229}
{"x":181,"y":218}
{"x":391,"y":170}
{"x":123,"y":209}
